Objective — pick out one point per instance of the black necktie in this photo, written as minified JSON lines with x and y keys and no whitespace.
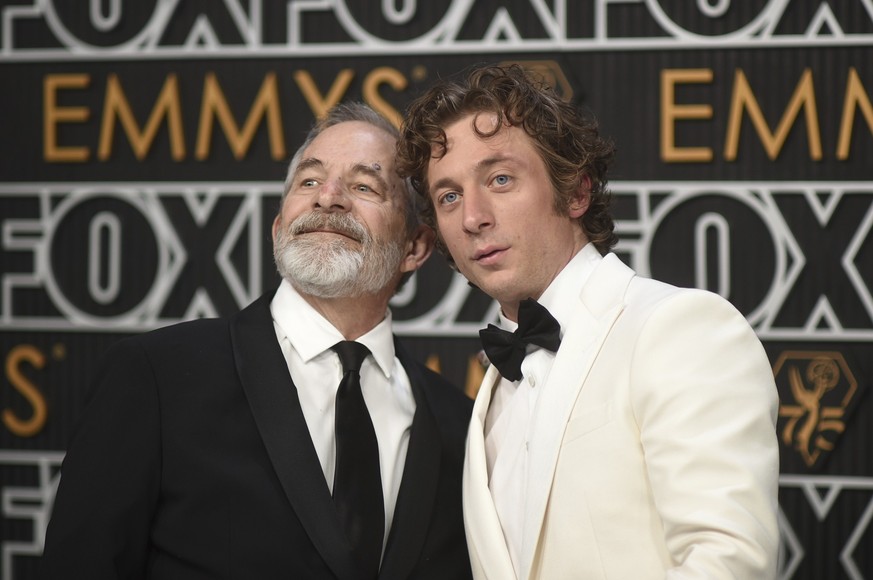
{"x":506,"y":349}
{"x":357,"y":483}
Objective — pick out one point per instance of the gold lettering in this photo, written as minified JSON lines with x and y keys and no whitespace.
{"x":372,"y":82}
{"x":475,"y":374}
{"x":17,"y":356}
{"x":167,"y":105}
{"x":743,"y":99}
{"x":671,"y":112}
{"x":53,"y":115}
{"x":320,"y":106}
{"x":266,"y":104}
{"x":856,"y":97}
{"x":433,"y":363}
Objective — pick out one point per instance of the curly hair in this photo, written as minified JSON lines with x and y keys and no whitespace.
{"x":569,"y":144}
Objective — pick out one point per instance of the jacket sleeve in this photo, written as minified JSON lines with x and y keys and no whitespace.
{"x":705,"y":402}
{"x":110,"y":476}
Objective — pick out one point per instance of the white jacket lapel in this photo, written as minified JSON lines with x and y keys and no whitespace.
{"x":600,"y":303}
{"x":488,"y":553}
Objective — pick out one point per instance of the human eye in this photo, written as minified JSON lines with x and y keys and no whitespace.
{"x":448,"y":197}
{"x":502,"y":180}
{"x":304,"y":185}
{"x":368,"y":191}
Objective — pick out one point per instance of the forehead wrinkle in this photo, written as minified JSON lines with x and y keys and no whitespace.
{"x":489,"y":162}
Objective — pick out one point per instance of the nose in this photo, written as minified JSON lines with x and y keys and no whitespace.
{"x":333,"y":196}
{"x":478,"y":214}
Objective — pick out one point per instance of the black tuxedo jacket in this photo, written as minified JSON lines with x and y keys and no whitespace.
{"x":193,"y":461}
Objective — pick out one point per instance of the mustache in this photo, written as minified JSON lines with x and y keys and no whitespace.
{"x":342,"y":223}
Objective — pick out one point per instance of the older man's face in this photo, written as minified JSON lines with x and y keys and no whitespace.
{"x":342,"y":227}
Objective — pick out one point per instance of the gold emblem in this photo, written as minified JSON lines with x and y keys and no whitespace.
{"x":820,"y":387}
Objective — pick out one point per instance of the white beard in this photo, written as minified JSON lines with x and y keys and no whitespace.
{"x":330,"y":269}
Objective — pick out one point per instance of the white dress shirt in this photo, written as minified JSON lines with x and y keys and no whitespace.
{"x":306,"y":339}
{"x":510,"y":422}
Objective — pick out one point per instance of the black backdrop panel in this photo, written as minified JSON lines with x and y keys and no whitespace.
{"x":745,"y":166}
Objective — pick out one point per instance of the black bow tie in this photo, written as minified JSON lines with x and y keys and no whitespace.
{"x":506,"y":350}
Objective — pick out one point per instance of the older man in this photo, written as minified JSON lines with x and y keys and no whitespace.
{"x":294,"y":439}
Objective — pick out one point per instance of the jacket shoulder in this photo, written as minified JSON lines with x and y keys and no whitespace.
{"x":450,"y":406}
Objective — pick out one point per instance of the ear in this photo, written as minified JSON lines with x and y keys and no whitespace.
{"x":276,"y":223}
{"x":418,"y":249}
{"x":581,"y":198}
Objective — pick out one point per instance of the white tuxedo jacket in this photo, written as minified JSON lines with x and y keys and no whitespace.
{"x":654,"y":453}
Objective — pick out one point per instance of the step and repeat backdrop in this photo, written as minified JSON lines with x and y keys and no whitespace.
{"x":143,"y":146}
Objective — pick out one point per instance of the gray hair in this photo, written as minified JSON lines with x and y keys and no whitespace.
{"x":356,"y":111}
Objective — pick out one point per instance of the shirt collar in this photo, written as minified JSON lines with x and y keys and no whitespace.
{"x":561,"y":296}
{"x":311,"y":334}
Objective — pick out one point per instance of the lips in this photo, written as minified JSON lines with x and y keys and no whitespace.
{"x":339,"y":224}
{"x":343,"y":233}
{"x":489,"y":255}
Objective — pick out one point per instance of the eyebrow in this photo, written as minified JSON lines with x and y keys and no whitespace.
{"x":372,"y":171}
{"x":483,"y":164}
{"x":308,"y":163}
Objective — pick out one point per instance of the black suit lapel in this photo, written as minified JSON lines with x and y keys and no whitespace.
{"x":415,"y":500}
{"x":273,"y":400}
